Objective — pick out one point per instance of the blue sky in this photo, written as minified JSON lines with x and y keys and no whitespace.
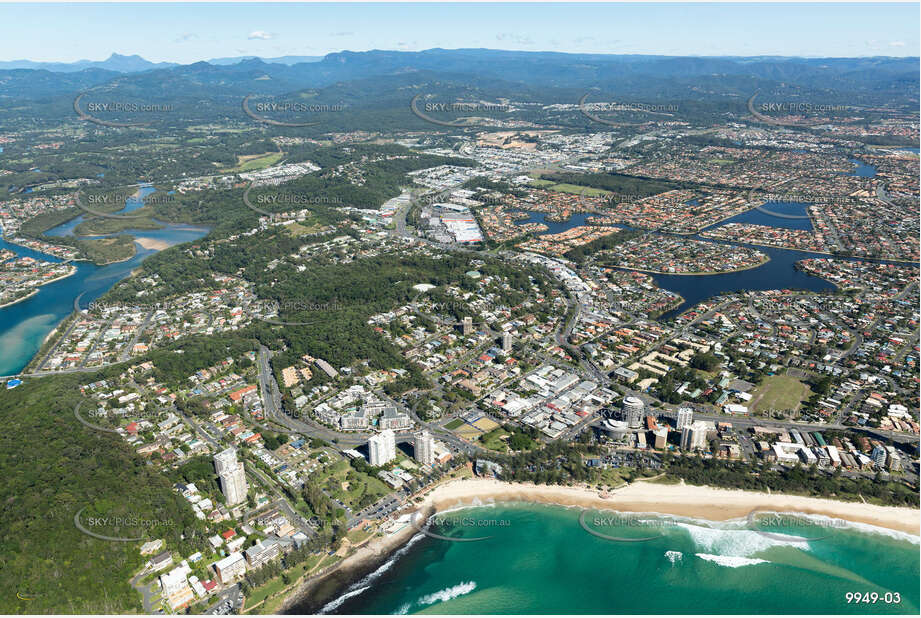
{"x":191,"y":32}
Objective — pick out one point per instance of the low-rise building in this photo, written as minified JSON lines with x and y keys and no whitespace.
{"x":230,"y":568}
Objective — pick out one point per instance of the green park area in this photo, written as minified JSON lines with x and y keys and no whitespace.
{"x":248,"y":163}
{"x":780,"y":392}
{"x":351,"y":487}
{"x":454,"y":424}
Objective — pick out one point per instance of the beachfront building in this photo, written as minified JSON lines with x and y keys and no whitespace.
{"x":230,"y":568}
{"x":262,"y":552}
{"x":694,"y":436}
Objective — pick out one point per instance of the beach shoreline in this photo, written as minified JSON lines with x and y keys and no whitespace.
{"x":691,"y":501}
{"x":701,"y":502}
{"x":377,"y":551}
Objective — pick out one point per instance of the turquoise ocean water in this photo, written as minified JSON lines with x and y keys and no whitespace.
{"x":539,"y":559}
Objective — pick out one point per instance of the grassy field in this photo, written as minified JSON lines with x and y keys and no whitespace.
{"x":494,"y":440}
{"x":578,"y":190}
{"x":454,"y":424}
{"x":297,"y":229}
{"x":352,"y":487}
{"x":779,"y":393}
{"x":563,"y":187}
{"x":357,"y":536}
{"x":249,"y":163}
{"x":263,"y":592}
{"x":277,"y":585}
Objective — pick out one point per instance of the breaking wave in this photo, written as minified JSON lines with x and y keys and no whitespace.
{"x":365,"y":582}
{"x":730,"y":561}
{"x":447,"y":594}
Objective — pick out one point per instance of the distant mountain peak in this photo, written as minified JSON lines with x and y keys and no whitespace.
{"x":115,"y":62}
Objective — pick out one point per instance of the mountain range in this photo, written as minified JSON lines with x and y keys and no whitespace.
{"x":861,"y":81}
{"x":136,"y":64}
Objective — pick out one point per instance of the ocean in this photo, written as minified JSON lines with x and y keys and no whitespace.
{"x":540,"y":559}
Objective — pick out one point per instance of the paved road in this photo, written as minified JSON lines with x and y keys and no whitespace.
{"x":126,"y":352}
{"x":150,"y":593}
{"x":228,"y":602}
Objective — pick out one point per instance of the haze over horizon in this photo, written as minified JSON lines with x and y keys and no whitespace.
{"x":193,"y":32}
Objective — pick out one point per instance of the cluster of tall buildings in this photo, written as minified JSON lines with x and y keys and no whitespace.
{"x":231,"y":475}
{"x":382,"y":448}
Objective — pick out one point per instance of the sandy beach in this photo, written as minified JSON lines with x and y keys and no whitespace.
{"x":707,"y":503}
{"x":374,"y":551}
{"x":151,"y":243}
{"x":684,"y":500}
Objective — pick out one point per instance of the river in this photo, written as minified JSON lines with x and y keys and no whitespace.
{"x":24,"y":326}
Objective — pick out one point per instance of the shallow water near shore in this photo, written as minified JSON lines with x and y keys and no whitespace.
{"x":25,"y":325}
{"x":539,"y":559}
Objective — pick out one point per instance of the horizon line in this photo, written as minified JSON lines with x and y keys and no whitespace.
{"x":457,"y":49}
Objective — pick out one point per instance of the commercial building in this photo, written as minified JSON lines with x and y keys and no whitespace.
{"x":161,"y":561}
{"x":793,"y":452}
{"x":326,"y":367}
{"x":424,"y":448}
{"x":225,"y":460}
{"x":382,"y":448}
